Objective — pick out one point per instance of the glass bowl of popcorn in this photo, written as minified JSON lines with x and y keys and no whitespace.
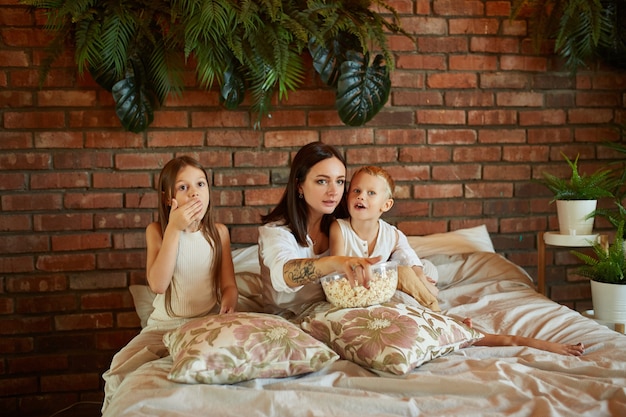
{"x":382,"y":287}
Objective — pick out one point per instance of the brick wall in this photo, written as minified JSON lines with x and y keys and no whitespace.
{"x":474,"y":115}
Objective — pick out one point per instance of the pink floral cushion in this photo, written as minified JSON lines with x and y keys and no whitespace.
{"x":229,"y":348}
{"x":392,"y":338}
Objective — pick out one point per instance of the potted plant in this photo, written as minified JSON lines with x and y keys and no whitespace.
{"x":577,"y":196}
{"x":607,"y":271}
{"x":139,"y":49}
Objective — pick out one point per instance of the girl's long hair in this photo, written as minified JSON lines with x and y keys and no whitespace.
{"x":291,"y":209}
{"x":167,"y":191}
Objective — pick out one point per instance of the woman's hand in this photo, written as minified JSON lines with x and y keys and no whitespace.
{"x":359,"y":270}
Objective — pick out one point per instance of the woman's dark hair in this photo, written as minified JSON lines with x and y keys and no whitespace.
{"x":291,"y":209}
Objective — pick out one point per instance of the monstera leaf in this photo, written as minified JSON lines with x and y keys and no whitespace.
{"x":233,"y":89}
{"x":327,"y":61}
{"x":134,"y":100}
{"x":362,"y":90}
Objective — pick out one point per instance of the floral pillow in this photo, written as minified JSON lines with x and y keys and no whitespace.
{"x":229,"y":348}
{"x":392,"y":338}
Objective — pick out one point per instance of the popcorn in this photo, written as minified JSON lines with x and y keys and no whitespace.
{"x":382,"y":287}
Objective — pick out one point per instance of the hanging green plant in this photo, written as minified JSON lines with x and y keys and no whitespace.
{"x":582,"y":30}
{"x":251,"y":47}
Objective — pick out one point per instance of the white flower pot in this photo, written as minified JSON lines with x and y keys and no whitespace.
{"x":572,"y":216}
{"x":609,"y":301}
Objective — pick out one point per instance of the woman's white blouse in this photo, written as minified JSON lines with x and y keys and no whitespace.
{"x":277,"y":246}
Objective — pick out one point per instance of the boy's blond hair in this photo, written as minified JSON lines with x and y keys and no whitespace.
{"x":381,"y":173}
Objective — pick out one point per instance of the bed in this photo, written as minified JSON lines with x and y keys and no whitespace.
{"x":474,"y":282}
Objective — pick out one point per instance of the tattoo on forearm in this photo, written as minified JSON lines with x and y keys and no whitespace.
{"x":301,"y":272}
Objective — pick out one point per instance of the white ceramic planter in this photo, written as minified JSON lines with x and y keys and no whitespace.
{"x":572,"y":216}
{"x":609,"y":301}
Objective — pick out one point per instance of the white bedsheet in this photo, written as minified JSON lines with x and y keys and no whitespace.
{"x":475,"y":381}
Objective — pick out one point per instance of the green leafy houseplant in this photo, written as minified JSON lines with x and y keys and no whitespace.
{"x":582,"y":30}
{"x":598,"y":184}
{"x":609,"y":264}
{"x":138,"y":50}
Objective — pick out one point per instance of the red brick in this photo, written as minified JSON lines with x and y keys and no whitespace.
{"x":16,"y":264}
{"x":361,"y":156}
{"x":428,"y":25}
{"x":239,"y":215}
{"x":121,"y":260}
{"x":102,"y":301}
{"x":18,"y":386}
{"x":456,"y":172}
{"x":504,"y":80}
{"x":524,"y":154}
{"x":46,"y":304}
{"x":85,"y":201}
{"x":15,"y":98}
{"x":34,"y":120}
{"x":590,"y":115}
{"x":70,"y":382}
{"x":15,"y":140}
{"x":408,"y":172}
{"x":62,"y":140}
{"x":16,"y":345}
{"x":542,"y":117}
{"x":24,"y":161}
{"x":501,"y":136}
{"x":522,"y":63}
{"x":421,"y":62}
{"x":477,"y":154}
{"x":519,"y":99}
{"x":451,"y":136}
{"x":24,"y":244}
{"x":238,"y":177}
{"x":36,"y":284}
{"x":473,"y":63}
{"x":176,"y":137}
{"x":25,"y":325}
{"x":452,"y":80}
{"x":442,"y":44}
{"x":247,"y":159}
{"x":12,"y":181}
{"x":122,"y":221}
{"x":409,"y":208}
{"x":220,"y":118}
{"x":129,"y":240}
{"x":121,"y":180}
{"x":488,"y":190}
{"x":469,"y":99}
{"x":12,"y":58}
{"x":463,"y":208}
{"x":278,"y":139}
{"x":31,"y":202}
{"x":494,"y":45}
{"x":83,"y":321}
{"x":417,"y":98}
{"x":171,"y":119}
{"x":448,"y":117}
{"x":425,"y":154}
{"x":81,"y":242}
{"x":458,"y":7}
{"x":511,"y":173}
{"x":430,"y":191}
{"x":492,"y":117}
{"x":70,"y":262}
{"x":474,"y":27}
{"x":52,"y":180}
{"x":400,"y":137}
{"x":93,"y":119}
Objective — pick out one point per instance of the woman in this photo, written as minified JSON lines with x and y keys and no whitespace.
{"x":293,"y":240}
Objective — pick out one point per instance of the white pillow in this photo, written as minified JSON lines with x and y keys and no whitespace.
{"x":142,"y":298}
{"x":474,"y":239}
{"x":391,"y":338}
{"x":230,"y":348}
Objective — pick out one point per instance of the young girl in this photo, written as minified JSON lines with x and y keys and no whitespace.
{"x":365,"y":234}
{"x":189,"y":266}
